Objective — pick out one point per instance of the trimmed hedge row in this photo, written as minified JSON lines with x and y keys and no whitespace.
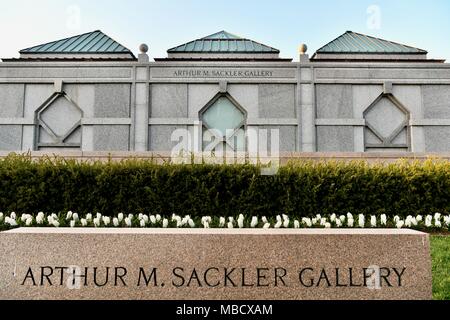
{"x":304,"y":188}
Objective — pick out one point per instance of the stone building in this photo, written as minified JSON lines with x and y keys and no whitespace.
{"x":356,"y":94}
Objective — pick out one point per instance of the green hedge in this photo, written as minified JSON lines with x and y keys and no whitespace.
{"x":304,"y":188}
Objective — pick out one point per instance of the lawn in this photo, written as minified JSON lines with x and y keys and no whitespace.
{"x":440,"y":251}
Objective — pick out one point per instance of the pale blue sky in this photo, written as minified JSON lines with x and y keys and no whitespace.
{"x":284,"y":24}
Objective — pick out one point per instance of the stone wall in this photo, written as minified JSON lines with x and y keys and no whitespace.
{"x":317,"y":107}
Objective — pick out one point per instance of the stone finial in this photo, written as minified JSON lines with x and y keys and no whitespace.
{"x":302,"y":49}
{"x":143,"y":48}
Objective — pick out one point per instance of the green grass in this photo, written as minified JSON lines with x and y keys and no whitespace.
{"x":440,"y":251}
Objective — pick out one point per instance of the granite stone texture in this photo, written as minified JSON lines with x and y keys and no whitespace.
{"x":436,"y":101}
{"x":146,"y":264}
{"x":437,"y":139}
{"x":169,"y":101}
{"x":335,"y":139}
{"x":161,"y":137}
{"x":112,"y":100}
{"x":11,"y":100}
{"x":10,"y":138}
{"x":334,"y":101}
{"x":111,"y":138}
{"x":277,"y":101}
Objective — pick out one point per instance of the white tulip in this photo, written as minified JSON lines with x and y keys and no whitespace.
{"x":230,"y":225}
{"x":286,"y":223}
{"x":428,"y":223}
{"x":308,"y":222}
{"x":231,"y":219}
{"x":84,"y":222}
{"x":72,"y":223}
{"x":318,"y":217}
{"x":56,"y":223}
{"x":89,"y":217}
{"x":13,"y":216}
{"x":29,"y":222}
{"x":414,"y":222}
{"x":191,"y":223}
{"x":254,"y":222}
{"x":323,"y":221}
{"x":39,"y":219}
{"x":419,"y":218}
{"x":429,"y":217}
{"x":185,"y":221}
{"x":408,"y":222}
{"x":206,"y":225}
{"x":362,"y":221}
{"x":373,"y":221}
{"x":264,"y":220}
{"x":296,"y":224}
{"x":327,"y":225}
{"x":142,"y":223}
{"x":128,"y":222}
{"x":131,"y":216}
{"x":438,"y":224}
{"x":350,"y":216}
{"x":278,"y":225}
{"x":75,"y":217}
{"x":437,"y":216}
{"x":69,"y":215}
{"x":165,"y":223}
{"x":338,"y":223}
{"x":116,"y":222}
{"x":140,"y":216}
{"x":314,"y":221}
{"x":447,"y":220}
{"x":145,"y":218}
{"x":23,"y":217}
{"x":350,"y":223}
{"x":342,"y":218}
{"x":179,"y":222}
{"x":99,"y":215}
{"x":333,"y":217}
{"x":50,"y":219}
{"x":241,"y":223}
{"x":279,"y":219}
{"x":241,"y":217}
{"x":285,"y":217}
{"x":106,"y":221}
{"x":400,"y":224}
{"x":158,"y":218}
{"x":120,"y":217}
{"x":222,"y":222}
{"x":383,"y":219}
{"x":266,"y":226}
{"x":97,"y":222}
{"x":397,"y":219}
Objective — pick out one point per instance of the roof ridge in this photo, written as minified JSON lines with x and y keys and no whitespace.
{"x":393,"y":42}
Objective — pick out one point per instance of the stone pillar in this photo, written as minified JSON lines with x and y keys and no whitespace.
{"x":142,"y":96}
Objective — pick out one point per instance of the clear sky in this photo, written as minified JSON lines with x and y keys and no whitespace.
{"x":283,"y":24}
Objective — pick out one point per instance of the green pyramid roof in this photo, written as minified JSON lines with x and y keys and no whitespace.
{"x":357,"y":43}
{"x":95,"y":42}
{"x":223,"y":42}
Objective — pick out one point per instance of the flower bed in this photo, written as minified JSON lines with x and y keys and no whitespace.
{"x":436,"y":222}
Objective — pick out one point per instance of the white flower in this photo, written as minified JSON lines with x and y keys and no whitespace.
{"x":84,"y":222}
{"x":241,"y":222}
{"x":308,"y":222}
{"x":438,"y":224}
{"x":430,"y":218}
{"x":254,"y":222}
{"x":99,"y":216}
{"x":69,"y":215}
{"x":185,"y":221}
{"x":145,"y":218}
{"x":264,"y":220}
{"x":116,"y":222}
{"x":266,"y":226}
{"x":285,"y":217}
{"x":97,"y":222}
{"x":408,"y":222}
{"x":131,"y":216}
{"x":323,"y":221}
{"x":362,"y":221}
{"x":50,"y":219}
{"x":296,"y":224}
{"x":396,"y":219}
{"x":179,"y":222}
{"x":437,"y":216}
{"x":350,"y":216}
{"x":342,"y":218}
{"x":230,"y":225}
{"x":373,"y":221}
{"x":350,"y":223}
{"x":241,"y":217}
{"x":56,"y":223}
{"x":383,"y":219}
{"x":23,"y":217}
{"x":76,"y":217}
{"x":447,"y":221}
{"x":191,"y":223}
{"x":142,"y":223}
{"x":128,"y":222}
{"x":39,"y":219}
{"x":328,"y":225}
{"x":72,"y":223}
{"x":140,"y":216}
{"x":286,"y":223}
{"x":278,"y":225}
{"x":318,"y":217}
{"x":158,"y":218}
{"x":165,"y":223}
{"x":279,"y":219}
{"x":89,"y":217}
{"x":106,"y":221}
{"x":222,"y":222}
{"x":29,"y":222}
{"x":400,"y":224}
{"x":231,"y":219}
{"x":428,"y":223}
{"x":153,"y":219}
{"x":314,"y":221}
{"x":13,"y":216}
{"x":120,"y":217}
{"x":338,"y":223}
{"x":333,"y":217}
{"x":419,"y":218}
{"x":206,"y":225}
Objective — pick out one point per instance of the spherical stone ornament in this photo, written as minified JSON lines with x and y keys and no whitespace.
{"x":143,"y":48}
{"x":302,"y":48}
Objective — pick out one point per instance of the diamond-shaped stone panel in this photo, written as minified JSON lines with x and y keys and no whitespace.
{"x":385,"y":117}
{"x":61,"y":116}
{"x":223,"y":115}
